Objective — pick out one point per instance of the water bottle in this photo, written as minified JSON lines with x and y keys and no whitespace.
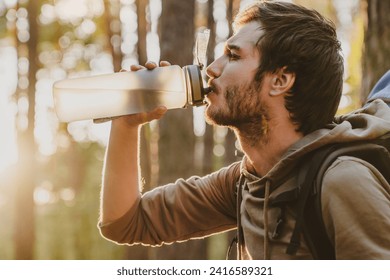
{"x":106,"y":96}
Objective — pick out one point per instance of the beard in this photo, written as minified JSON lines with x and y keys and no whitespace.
{"x":245,"y":113}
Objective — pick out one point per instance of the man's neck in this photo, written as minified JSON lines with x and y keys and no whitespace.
{"x":268,"y":150}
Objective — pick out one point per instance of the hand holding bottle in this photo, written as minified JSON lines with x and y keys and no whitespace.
{"x":144,"y":117}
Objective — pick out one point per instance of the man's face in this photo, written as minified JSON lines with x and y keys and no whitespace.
{"x":236,"y":97}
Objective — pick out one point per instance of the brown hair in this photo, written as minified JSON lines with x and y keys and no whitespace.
{"x":306,"y":43}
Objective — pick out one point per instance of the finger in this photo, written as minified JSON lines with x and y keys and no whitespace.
{"x":141,"y":118}
{"x":136,"y":67}
{"x":156,"y":114}
{"x":150,"y":65}
{"x":164,"y":63}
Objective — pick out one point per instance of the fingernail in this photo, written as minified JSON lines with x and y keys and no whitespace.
{"x":150,"y":62}
{"x":162,"y":109}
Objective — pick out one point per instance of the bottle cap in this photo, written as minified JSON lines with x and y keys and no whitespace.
{"x":194,"y":83}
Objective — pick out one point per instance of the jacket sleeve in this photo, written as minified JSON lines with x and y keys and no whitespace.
{"x":192,"y":208}
{"x":356,"y":210}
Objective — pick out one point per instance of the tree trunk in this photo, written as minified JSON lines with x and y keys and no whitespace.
{"x":24,"y":228}
{"x":142,"y":31}
{"x":111,"y":16}
{"x":177,"y":140}
{"x":176,"y":128}
{"x":376,"y":58}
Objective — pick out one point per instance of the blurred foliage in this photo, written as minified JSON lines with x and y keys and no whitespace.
{"x":354,"y":67}
{"x":67,"y":229}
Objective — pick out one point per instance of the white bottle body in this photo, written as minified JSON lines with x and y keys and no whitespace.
{"x":118,"y":94}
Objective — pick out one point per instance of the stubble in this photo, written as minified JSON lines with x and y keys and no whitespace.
{"x":245,"y":113}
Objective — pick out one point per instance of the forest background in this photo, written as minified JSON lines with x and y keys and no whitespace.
{"x":50,"y":172}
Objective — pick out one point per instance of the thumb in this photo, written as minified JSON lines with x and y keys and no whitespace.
{"x":157,"y":113}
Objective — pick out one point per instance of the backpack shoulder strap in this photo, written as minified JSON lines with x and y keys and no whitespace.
{"x":306,"y":178}
{"x":308,"y":207}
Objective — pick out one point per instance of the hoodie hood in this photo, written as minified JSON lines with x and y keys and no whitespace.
{"x":366,"y":123}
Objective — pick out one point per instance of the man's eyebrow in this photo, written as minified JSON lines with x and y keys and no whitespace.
{"x":232,"y":47}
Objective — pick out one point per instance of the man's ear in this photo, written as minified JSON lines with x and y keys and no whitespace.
{"x":282,"y":82}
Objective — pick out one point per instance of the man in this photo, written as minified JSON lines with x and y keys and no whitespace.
{"x":277,"y":85}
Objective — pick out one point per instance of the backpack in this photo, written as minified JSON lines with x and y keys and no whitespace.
{"x":308,"y":207}
{"x":306,"y":200}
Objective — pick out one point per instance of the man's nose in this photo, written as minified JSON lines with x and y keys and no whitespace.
{"x":214,"y":69}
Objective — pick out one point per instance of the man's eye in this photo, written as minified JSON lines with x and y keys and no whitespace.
{"x":233,"y":56}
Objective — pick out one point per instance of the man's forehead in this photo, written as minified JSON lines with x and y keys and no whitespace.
{"x":246,"y":34}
